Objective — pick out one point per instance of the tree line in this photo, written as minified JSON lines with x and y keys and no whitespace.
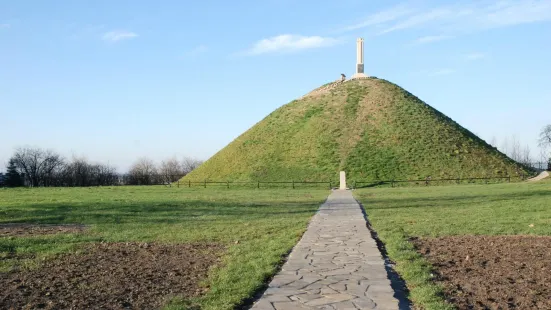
{"x":37,"y":167}
{"x":513,"y":149}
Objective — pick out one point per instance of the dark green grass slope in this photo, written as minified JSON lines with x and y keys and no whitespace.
{"x":371,"y":128}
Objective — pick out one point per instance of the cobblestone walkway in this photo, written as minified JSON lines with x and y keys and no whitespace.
{"x":336,"y":265}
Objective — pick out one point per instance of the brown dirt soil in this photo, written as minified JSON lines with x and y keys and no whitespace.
{"x":24,"y":230}
{"x":111,"y":276}
{"x":492,"y":272}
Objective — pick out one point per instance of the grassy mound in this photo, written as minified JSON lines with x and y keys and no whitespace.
{"x":370,"y":128}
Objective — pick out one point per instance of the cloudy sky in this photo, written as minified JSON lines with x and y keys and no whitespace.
{"x":116,"y":80}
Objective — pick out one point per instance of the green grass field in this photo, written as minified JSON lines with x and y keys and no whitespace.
{"x":398,"y":214}
{"x":267,"y":224}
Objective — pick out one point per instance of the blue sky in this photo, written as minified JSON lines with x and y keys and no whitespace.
{"x":116,"y":80}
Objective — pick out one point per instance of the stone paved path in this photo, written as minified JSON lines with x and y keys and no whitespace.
{"x":336,"y":265}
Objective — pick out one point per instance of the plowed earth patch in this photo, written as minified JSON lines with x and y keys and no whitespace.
{"x":111,"y":276}
{"x":492,"y":272}
{"x":24,"y":230}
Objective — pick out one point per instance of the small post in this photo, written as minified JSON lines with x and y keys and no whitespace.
{"x":342,"y":180}
{"x":258,"y":185}
{"x":509,"y":179}
{"x":458,"y":180}
{"x":293,"y":184}
{"x":228,"y":184}
{"x":205,"y":183}
{"x":330,"y":185}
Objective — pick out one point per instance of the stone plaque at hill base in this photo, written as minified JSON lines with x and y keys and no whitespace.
{"x":343,"y":180}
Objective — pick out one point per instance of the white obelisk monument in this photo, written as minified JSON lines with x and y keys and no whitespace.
{"x":359,"y":59}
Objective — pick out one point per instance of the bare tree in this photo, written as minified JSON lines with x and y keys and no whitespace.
{"x":170,"y":170}
{"x":505,"y":146}
{"x":105,"y":175}
{"x":515,"y":152}
{"x":493,"y":142}
{"x":543,"y":155}
{"x":545,"y":136}
{"x":526,"y":156}
{"x":545,"y":143}
{"x":38,"y":165}
{"x":190,"y":164}
{"x":79,"y":172}
{"x":143,"y":172}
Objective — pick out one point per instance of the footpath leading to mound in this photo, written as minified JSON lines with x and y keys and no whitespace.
{"x":539,"y":177}
{"x":336,"y":265}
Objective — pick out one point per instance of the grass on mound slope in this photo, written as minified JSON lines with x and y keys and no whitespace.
{"x":498,"y":209}
{"x":267,"y":224}
{"x":371,"y":128}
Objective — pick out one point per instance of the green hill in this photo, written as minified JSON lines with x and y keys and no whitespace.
{"x":370,"y":128}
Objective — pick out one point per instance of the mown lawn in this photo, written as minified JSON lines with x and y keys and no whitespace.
{"x":257,"y":226}
{"x":398,"y":214}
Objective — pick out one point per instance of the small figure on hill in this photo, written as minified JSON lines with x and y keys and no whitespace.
{"x":427,"y":180}
{"x":343,"y":77}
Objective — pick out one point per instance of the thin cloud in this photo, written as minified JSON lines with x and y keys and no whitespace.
{"x":430,"y":39}
{"x":419,"y":19}
{"x":385,"y":16}
{"x":475,"y":56}
{"x":88,"y":31}
{"x":441,"y":72}
{"x":463,"y":17}
{"x":198,"y":50}
{"x":517,"y":12}
{"x":290,"y":43}
{"x":5,"y":26}
{"x":118,"y":35}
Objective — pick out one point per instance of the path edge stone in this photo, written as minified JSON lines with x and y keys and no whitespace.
{"x":397,"y":283}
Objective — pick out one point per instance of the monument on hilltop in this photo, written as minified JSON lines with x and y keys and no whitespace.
{"x":366,"y":127}
{"x":359,"y":59}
